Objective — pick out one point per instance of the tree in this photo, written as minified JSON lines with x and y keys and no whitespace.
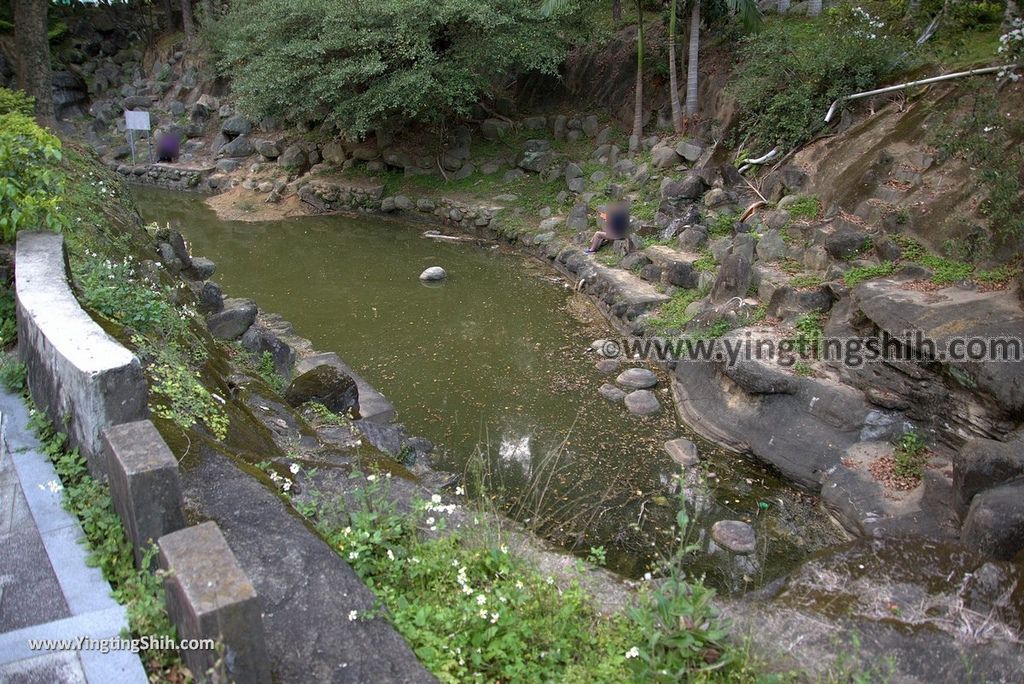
{"x":187,"y":24}
{"x":616,"y":10}
{"x":638,"y":103}
{"x":169,"y":14}
{"x":677,"y":113}
{"x":33,"y":45}
{"x":385,"y":64}
{"x":750,"y":17}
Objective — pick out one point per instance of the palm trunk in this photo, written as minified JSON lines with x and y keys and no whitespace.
{"x":691,"y":67}
{"x":616,"y":10}
{"x":677,"y":111}
{"x":814,"y":8}
{"x":33,"y":45}
{"x":638,"y":106}
{"x":783,"y":6}
{"x":186,"y":20}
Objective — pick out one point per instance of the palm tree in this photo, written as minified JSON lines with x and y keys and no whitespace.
{"x":677,"y":114}
{"x":814,"y":8}
{"x":750,"y":16}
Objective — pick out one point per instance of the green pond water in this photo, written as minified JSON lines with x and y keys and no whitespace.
{"x":493,"y":365}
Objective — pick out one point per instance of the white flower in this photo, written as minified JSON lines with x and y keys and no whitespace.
{"x":347,"y":531}
{"x":430,"y":521}
{"x":633,"y":652}
{"x":294,"y":468}
{"x":352,"y":615}
{"x":483,"y":614}
{"x":436,"y":498}
{"x":391,"y":555}
{"x":519,"y":584}
{"x":481,"y":599}
{"x":353,"y":555}
{"x":371,"y":478}
{"x":459,"y":491}
{"x":503,"y":548}
{"x":53,"y":486}
{"x":287,"y":485}
{"x":494,"y":617}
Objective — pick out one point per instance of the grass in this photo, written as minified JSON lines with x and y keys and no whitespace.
{"x":858,"y":274}
{"x":672,"y":315}
{"x":805,"y":208}
{"x":805,"y":280}
{"x":705,"y":263}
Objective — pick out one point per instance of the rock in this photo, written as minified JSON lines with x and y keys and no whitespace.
{"x":642,"y":402}
{"x":294,"y":158}
{"x":201,"y":268}
{"x":268,"y":149}
{"x":236,"y":125}
{"x":981,"y":464}
{"x":624,"y":167}
{"x":847,"y":240}
{"x":227,"y":165}
{"x":692,"y":239}
{"x":611,"y":392}
{"x":334,"y":153}
{"x":259,"y":340}
{"x":681,"y":274}
{"x":513,"y":175}
{"x":637,"y":378}
{"x":433,"y":274}
{"x":607,"y":366}
{"x":689,"y":150}
{"x":771,"y":246}
{"x":604,"y":136}
{"x":238,"y":148}
{"x":634,"y":260}
{"x":715,"y":198}
{"x":494,"y":129}
{"x":535,"y":123}
{"x":690,"y":188}
{"x":682,"y":451}
{"x":572,"y":170}
{"x":233,"y":320}
{"x":365,"y":152}
{"x":204,"y":107}
{"x":326,"y":385}
{"x":578,"y":218}
{"x":537,"y":156}
{"x":734,"y":535}
{"x":425,"y":205}
{"x":386,"y":438}
{"x":589,"y":125}
{"x":733,"y":278}
{"x":664,"y":157}
{"x":994,"y":524}
{"x":759,"y":378}
{"x":210,"y":299}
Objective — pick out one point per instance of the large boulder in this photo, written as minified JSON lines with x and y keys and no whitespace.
{"x":994,"y":524}
{"x":664,"y":157}
{"x":259,"y":340}
{"x":494,"y":129}
{"x":327,"y":385}
{"x":690,"y":188}
{"x":233,"y":320}
{"x":579,"y":218}
{"x":689,"y":150}
{"x":733,"y":278}
{"x":334,"y":153}
{"x":236,"y":125}
{"x":238,"y":148}
{"x":537,"y":156}
{"x":268,"y":149}
{"x":981,"y":464}
{"x":294,"y":158}
{"x":681,"y":274}
{"x":847,"y":240}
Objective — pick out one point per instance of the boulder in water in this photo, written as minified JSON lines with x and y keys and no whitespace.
{"x":433,"y":274}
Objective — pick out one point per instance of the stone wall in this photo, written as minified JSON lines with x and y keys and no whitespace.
{"x":76,"y":372}
{"x":167,"y":176}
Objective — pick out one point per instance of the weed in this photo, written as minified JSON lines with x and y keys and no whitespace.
{"x":859,"y":274}
{"x":910,"y":456}
{"x":805,"y":208}
{"x":705,"y":263}
{"x":672,"y":315}
{"x":808,"y":331}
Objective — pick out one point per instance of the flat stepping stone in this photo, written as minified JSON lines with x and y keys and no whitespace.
{"x":642,"y":402}
{"x":734,"y":535}
{"x":608,"y":366}
{"x":637,"y":378}
{"x":611,"y":392}
{"x":683,"y":452}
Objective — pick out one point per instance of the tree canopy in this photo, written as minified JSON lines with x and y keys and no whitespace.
{"x":363,"y":65}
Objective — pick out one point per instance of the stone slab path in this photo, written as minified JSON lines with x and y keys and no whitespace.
{"x":46,"y":589}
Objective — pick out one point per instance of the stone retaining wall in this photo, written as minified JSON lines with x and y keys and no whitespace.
{"x":81,"y":376}
{"x":168,"y":176}
{"x":76,"y":372}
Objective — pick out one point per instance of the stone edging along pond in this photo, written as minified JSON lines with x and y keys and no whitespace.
{"x":78,"y":373}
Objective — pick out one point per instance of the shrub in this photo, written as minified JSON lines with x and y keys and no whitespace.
{"x":30,"y":181}
{"x":16,"y":101}
{"x":910,"y":456}
{"x":791,"y":72}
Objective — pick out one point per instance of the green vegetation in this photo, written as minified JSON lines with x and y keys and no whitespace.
{"x":177,"y":395}
{"x":806,"y":207}
{"x":473,"y":609}
{"x":672,"y":314}
{"x":910,"y":456}
{"x":8,"y":321}
{"x":805,"y":280}
{"x":721,"y":225}
{"x":984,"y":137}
{"x":16,"y":101}
{"x":809,"y":329}
{"x":858,"y":274}
{"x":791,"y":71}
{"x":705,"y":262}
{"x":412,"y":62}
{"x":801,"y":368}
{"x":30,"y":186}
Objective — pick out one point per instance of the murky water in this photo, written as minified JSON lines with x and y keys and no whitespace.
{"x":494,"y":366}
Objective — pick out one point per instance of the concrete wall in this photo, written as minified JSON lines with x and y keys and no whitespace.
{"x":76,"y":371}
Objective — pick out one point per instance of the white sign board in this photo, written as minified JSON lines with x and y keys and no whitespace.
{"x":136,"y":120}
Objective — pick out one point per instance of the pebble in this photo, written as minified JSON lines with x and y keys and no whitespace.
{"x":734,"y":535}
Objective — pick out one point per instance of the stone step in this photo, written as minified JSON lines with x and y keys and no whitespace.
{"x":661,"y":255}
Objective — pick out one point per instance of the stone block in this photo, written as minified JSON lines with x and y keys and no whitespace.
{"x":144,"y":483}
{"x":209,"y":596}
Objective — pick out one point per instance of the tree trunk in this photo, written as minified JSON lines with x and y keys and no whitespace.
{"x":170,"y":16}
{"x":616,"y":10}
{"x":677,"y":110}
{"x":33,"y":47}
{"x":783,"y":6}
{"x":691,"y":67}
{"x":638,"y":106}
{"x":186,"y":20}
{"x":814,"y":8}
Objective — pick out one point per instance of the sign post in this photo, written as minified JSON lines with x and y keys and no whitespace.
{"x":138,"y":120}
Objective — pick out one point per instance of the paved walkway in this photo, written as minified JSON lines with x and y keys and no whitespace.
{"x":46,"y":589}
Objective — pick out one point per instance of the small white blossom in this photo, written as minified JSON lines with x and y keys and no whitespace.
{"x":633,"y":653}
{"x":352,"y":615}
{"x":294,"y":468}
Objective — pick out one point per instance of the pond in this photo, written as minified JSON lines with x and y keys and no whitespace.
{"x":494,"y":366}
